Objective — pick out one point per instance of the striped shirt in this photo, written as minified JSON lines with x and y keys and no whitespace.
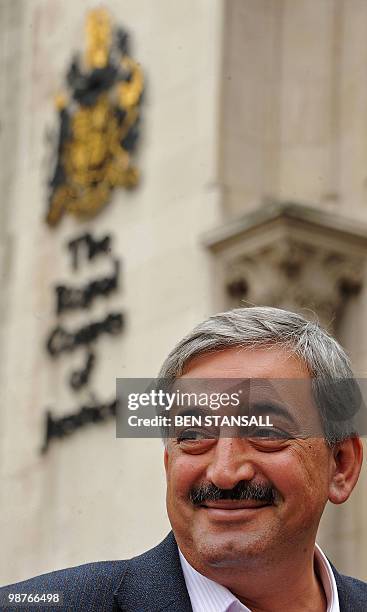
{"x":209,"y":596}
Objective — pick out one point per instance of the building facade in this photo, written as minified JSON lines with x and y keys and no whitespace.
{"x":253,"y":161}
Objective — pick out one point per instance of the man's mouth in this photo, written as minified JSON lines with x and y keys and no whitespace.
{"x":227,"y":510}
{"x":229,"y":504}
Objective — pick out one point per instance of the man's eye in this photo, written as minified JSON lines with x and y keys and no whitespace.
{"x":193,"y":435}
{"x":270,"y":433}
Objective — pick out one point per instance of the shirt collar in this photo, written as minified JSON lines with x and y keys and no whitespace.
{"x":327,"y":578}
{"x":209,"y":596}
{"x":205,"y":594}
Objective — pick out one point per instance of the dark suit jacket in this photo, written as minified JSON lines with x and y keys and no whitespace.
{"x":152,"y":582}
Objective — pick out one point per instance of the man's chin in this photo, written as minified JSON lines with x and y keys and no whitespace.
{"x":230,"y":550}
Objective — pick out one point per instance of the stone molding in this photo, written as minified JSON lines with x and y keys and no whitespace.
{"x":290,"y":256}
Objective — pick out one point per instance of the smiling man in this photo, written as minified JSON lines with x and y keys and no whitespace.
{"x":244,"y":507}
{"x":245,"y":511}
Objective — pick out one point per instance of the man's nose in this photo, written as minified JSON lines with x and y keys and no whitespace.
{"x":231,"y":463}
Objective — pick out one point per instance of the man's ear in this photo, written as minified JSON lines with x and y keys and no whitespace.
{"x":345,"y":467}
{"x":165,"y":458}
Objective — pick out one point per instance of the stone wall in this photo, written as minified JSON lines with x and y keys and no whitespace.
{"x":88,"y":497}
{"x":294,"y":129}
{"x":247,"y":103}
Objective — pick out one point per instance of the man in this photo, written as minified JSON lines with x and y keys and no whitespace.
{"x":244,"y":509}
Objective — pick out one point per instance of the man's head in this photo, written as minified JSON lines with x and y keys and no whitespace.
{"x":242,"y":502}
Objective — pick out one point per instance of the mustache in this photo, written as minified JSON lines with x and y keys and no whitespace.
{"x":244,"y":490}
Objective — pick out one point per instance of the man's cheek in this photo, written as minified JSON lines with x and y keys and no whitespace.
{"x":300,"y":465}
{"x":182,"y":484}
{"x":182,"y":480}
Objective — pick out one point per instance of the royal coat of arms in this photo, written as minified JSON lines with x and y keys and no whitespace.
{"x":99,"y":117}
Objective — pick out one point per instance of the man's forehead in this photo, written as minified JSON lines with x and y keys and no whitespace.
{"x":268,"y":378}
{"x":263,"y":362}
{"x":287,"y":391}
{"x":287,"y":404}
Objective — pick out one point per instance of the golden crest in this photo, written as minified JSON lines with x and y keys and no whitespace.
{"x":98,"y":124}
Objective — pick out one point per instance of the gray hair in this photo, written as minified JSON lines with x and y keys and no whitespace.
{"x":335,"y":389}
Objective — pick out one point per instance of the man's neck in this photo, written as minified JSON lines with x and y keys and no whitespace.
{"x":273,"y":587}
{"x":305,"y":594}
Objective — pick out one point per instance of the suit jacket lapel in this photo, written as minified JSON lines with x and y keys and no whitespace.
{"x":154,"y":582}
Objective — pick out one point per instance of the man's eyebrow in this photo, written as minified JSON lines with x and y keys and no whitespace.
{"x":273,"y":408}
{"x":194,"y":411}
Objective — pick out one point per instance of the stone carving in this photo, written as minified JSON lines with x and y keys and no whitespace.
{"x":99,"y":124}
{"x":296,"y":276}
{"x":290,"y":256}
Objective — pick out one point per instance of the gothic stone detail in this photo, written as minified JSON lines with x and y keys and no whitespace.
{"x":298,"y":276}
{"x":291,"y":256}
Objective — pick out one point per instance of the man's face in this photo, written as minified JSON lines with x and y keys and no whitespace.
{"x":291,"y":477}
